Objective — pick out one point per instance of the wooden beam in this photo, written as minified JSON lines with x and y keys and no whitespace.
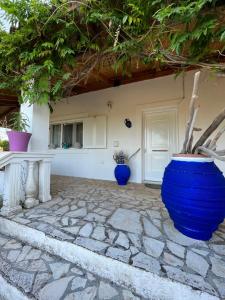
{"x":100,"y":77}
{"x":8,"y":97}
{"x":136,"y":76}
{"x":9,"y":103}
{"x":8,"y":111}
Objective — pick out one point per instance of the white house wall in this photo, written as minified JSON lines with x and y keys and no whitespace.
{"x":1,"y":183}
{"x":130,"y":101}
{"x":3,"y":134}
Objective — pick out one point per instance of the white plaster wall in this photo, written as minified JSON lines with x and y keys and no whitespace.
{"x":1,"y":182}
{"x":128,"y":101}
{"x":3,"y":135}
{"x":38,"y":120}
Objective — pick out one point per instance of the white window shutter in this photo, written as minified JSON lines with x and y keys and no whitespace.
{"x":100,"y":133}
{"x":89,"y":132}
{"x":95,"y":132}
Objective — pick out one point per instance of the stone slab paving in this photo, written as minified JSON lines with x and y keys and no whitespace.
{"x":129,"y":224}
{"x":46,"y":277}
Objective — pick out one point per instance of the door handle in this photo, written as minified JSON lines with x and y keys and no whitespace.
{"x":160,"y":150}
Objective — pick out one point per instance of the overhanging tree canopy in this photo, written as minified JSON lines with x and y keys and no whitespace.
{"x":54,"y":45}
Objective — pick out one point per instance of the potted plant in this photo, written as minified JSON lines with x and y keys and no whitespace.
{"x":193,"y":187}
{"x":4,"y":145}
{"x":18,"y":137}
{"x":122,"y":171}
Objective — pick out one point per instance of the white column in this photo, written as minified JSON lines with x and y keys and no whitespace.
{"x":12,"y":193}
{"x":31,"y":187}
{"x":44,"y":180}
{"x":38,"y":116}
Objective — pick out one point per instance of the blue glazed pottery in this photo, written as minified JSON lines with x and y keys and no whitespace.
{"x":193,"y":191}
{"x":122,"y":174}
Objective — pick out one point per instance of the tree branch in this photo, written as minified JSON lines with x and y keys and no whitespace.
{"x":210,"y":153}
{"x":192,"y":113}
{"x":213,"y":126}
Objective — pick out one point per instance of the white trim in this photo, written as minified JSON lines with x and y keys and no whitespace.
{"x":9,"y":292}
{"x":68,"y":118}
{"x":66,"y":122}
{"x":72,"y":118}
{"x":68,"y":151}
{"x":192,"y":159}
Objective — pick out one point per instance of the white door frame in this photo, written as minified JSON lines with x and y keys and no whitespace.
{"x":145,"y":116}
{"x":154,"y":107}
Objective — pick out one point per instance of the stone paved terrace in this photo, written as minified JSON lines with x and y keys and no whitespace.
{"x":46,"y":277}
{"x":129,"y":224}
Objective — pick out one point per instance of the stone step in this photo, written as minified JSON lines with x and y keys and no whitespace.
{"x":143,"y":283}
{"x":30,"y":273}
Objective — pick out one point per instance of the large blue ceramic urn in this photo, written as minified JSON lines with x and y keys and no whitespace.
{"x":122,"y":174}
{"x":193,"y":191}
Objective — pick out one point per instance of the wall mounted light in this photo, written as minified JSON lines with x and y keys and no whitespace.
{"x":128,"y":123}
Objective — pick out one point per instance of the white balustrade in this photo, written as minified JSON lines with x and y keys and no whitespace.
{"x":26,"y":180}
{"x":31,"y":187}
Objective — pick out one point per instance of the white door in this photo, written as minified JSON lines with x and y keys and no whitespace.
{"x":159,"y":143}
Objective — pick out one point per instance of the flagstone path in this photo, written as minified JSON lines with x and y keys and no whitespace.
{"x":129,"y":224}
{"x":46,"y":277}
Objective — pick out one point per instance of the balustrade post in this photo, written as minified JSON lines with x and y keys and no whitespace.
{"x":12,"y":191}
{"x":44,"y":180}
{"x":31,"y":188}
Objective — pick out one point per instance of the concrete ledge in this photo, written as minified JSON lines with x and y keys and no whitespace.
{"x":144,"y":283}
{"x":9,"y":292}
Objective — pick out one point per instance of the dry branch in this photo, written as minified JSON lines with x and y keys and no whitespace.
{"x":189,"y":147}
{"x":192,"y":113}
{"x":206,"y":145}
{"x":210,"y":153}
{"x":213,"y":126}
{"x":220,"y":152}
{"x":191,"y":130}
{"x":216,"y":138}
{"x":197,"y":129}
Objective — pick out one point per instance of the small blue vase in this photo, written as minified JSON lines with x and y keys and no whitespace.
{"x":122,"y":174}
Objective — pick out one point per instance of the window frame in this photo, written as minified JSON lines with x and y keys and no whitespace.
{"x":62,"y":123}
{"x":82,"y":120}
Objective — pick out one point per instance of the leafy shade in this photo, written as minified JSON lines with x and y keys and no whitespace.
{"x":18,"y":122}
{"x":42,"y":53}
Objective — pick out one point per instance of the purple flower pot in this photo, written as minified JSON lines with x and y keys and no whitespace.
{"x":18,"y":141}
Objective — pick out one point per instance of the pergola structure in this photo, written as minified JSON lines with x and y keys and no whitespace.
{"x":8,"y":104}
{"x":99,"y":77}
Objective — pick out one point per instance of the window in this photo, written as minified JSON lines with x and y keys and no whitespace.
{"x":79,"y":134}
{"x":88,"y":133}
{"x":66,"y":135}
{"x":55,"y":136}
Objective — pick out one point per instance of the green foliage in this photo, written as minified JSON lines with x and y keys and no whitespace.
{"x":40,"y":55}
{"x":4,"y":145}
{"x":18,"y":122}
